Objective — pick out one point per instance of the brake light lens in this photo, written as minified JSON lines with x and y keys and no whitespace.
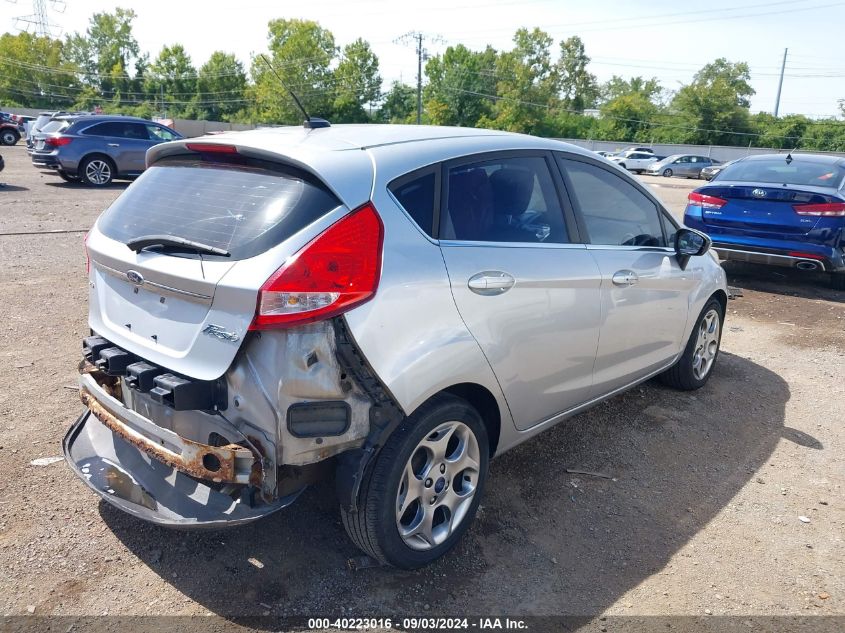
{"x":212,"y":148}
{"x":827,"y":209}
{"x":57,"y":141}
{"x":706,"y":202}
{"x":335,"y":272}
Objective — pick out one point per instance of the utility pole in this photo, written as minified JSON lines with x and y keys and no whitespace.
{"x":780,"y":83}
{"x":39,"y":20}
{"x":422,"y":53}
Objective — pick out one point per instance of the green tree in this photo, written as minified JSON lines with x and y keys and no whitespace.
{"x":457,"y":84}
{"x":617,"y":86}
{"x":301,"y":52}
{"x":32,"y":73}
{"x":713,"y":109}
{"x":357,"y":83}
{"x":171,"y":81}
{"x":579,"y":88}
{"x":627,"y":118}
{"x":527,"y":85}
{"x":107,"y":52}
{"x":399,"y":105}
{"x":221,"y":86}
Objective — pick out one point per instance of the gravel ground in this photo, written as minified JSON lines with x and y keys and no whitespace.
{"x":701,"y":516}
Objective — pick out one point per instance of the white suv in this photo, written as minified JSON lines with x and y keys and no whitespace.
{"x":633,"y":160}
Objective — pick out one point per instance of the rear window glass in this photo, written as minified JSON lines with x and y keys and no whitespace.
{"x":797,"y":172}
{"x":244,"y":208}
{"x":55,"y":126}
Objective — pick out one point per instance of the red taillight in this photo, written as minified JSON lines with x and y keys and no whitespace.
{"x":212,"y":148}
{"x":706,"y":202}
{"x":57,"y":141}
{"x":336,"y":271}
{"x":827,"y":209}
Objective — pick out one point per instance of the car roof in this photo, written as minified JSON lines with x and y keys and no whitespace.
{"x":73,"y":118}
{"x":334,"y":153}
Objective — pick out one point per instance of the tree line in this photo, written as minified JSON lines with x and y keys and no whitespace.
{"x":538,"y":86}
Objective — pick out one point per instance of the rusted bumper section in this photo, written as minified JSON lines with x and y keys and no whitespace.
{"x":228,"y":464}
{"x":154,"y":474}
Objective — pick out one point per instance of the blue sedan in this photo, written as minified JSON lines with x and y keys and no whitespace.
{"x":777,"y":209}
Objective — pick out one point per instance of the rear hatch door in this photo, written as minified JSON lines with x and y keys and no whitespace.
{"x":185,"y":308}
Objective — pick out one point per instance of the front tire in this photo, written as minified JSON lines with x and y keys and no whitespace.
{"x":695,"y":365}
{"x":9,"y":137}
{"x":97,"y":171}
{"x":667,"y":173}
{"x":422,"y":490}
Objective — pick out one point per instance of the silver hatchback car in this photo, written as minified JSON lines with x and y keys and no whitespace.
{"x":390,"y":306}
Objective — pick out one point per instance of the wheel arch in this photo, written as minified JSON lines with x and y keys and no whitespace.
{"x":96,"y":154}
{"x":722,"y":297}
{"x":483,"y":401}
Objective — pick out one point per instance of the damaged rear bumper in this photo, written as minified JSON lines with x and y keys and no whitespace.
{"x":156,"y":475}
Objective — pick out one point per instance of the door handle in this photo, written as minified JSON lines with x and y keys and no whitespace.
{"x":625,"y":278}
{"x":491,"y":282}
{"x":114,"y":144}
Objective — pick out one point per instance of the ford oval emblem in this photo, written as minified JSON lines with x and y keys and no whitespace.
{"x":135,"y":277}
{"x":759,"y":193}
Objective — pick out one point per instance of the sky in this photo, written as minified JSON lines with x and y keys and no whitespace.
{"x":667,"y":40}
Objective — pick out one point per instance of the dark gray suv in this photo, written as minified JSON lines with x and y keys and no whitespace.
{"x":95,"y":149}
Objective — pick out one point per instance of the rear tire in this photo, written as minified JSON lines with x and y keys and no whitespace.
{"x":667,"y":173}
{"x":837,"y":281}
{"x":421,"y":492}
{"x":9,"y":137}
{"x":97,"y":171}
{"x":695,"y":365}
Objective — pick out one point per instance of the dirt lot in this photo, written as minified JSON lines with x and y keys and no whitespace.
{"x":702,"y":516}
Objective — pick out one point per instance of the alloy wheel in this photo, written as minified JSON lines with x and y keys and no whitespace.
{"x":437,"y":485}
{"x":707,"y":344}
{"x":98,"y":172}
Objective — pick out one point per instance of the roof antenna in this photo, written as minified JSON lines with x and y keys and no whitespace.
{"x":789,"y":158}
{"x":309,"y":122}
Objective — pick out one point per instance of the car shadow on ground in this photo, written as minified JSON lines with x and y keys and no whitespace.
{"x":544,"y":543}
{"x":783,"y":281}
{"x":61,"y":184}
{"x":7,"y":187}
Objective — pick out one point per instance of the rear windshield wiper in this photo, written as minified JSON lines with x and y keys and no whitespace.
{"x":145,"y":241}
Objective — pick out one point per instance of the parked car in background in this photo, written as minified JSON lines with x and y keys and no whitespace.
{"x":633,"y":160}
{"x":10,"y":133}
{"x":95,"y":149}
{"x":777,"y":210}
{"x":645,"y":150}
{"x":2,"y":164}
{"x":708,"y":173}
{"x":268,"y":308}
{"x":687,"y":165}
{"x":603,"y":153}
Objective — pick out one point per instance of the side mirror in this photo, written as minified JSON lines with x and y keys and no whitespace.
{"x":690,"y":243}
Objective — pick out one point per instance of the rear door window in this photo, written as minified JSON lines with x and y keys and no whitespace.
{"x":504,"y":200}
{"x":615,"y":212}
{"x":243,"y":207}
{"x":111,"y":128}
